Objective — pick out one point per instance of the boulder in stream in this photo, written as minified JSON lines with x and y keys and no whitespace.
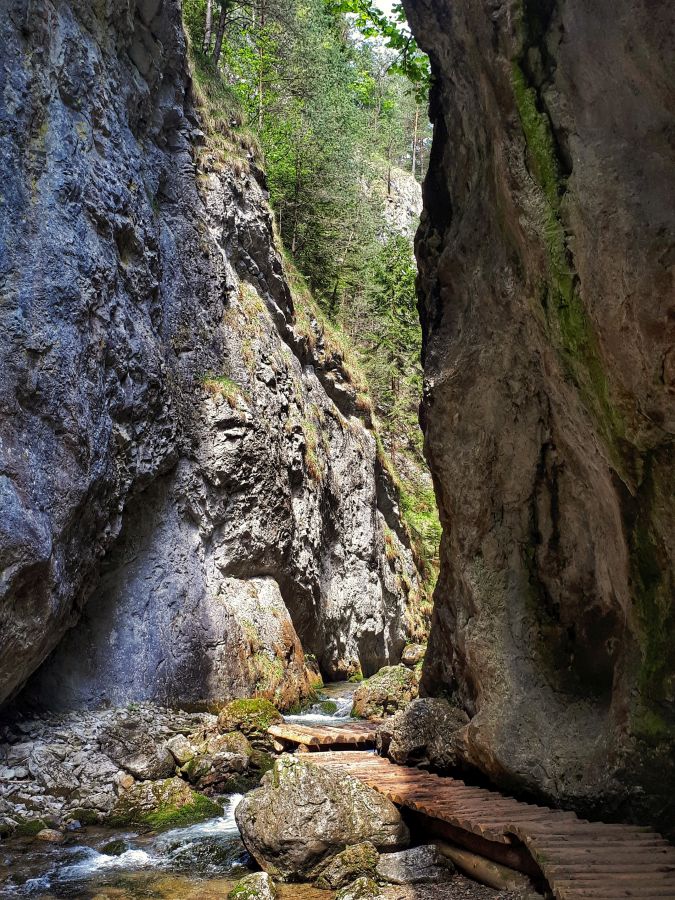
{"x":258,"y":886}
{"x":362,"y":889}
{"x":429,"y":730}
{"x":162,"y":804}
{"x":385,"y":693}
{"x":302,"y":814}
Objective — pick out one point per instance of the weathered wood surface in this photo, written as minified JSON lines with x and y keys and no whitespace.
{"x":579,"y":859}
{"x":350,"y":734}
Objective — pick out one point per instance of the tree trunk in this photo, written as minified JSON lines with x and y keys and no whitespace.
{"x":296,"y":203}
{"x":206,"y":46}
{"x":261,"y":69}
{"x":414,"y":143}
{"x":219,"y":34}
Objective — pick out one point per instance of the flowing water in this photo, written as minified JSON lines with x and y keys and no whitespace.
{"x":197,"y":862}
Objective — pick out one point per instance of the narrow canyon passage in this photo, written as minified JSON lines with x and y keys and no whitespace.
{"x":336,"y":414}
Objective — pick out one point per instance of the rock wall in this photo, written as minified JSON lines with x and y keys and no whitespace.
{"x":546,"y":296}
{"x":185,"y":478}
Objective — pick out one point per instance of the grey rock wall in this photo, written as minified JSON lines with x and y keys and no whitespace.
{"x":546,"y":296}
{"x":187,"y":492}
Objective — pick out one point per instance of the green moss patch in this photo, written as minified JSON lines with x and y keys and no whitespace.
{"x":173,"y":816}
{"x":252,"y":716}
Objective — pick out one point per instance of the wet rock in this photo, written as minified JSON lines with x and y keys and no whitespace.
{"x":415,"y":865}
{"x":386,"y":692}
{"x":351,"y":863}
{"x":114,"y":848}
{"x":162,"y":804}
{"x":362,"y":889}
{"x":303,"y":814}
{"x":428,"y":731}
{"x":413,"y":654}
{"x":258,"y":886}
{"x":51,"y":836}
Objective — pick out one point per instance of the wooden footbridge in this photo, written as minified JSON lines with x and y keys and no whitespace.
{"x":314,"y":737}
{"x":578,"y":859}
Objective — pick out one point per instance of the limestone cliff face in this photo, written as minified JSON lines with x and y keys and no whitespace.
{"x":184,"y":476}
{"x":545,"y":253}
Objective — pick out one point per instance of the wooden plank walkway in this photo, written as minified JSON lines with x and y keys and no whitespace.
{"x":351,"y":734}
{"x":579,"y":859}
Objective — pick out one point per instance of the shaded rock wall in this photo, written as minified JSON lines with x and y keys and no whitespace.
{"x":546,"y":296}
{"x":177,"y":457}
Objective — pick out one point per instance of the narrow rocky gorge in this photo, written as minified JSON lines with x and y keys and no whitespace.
{"x":546,"y":291}
{"x":210,"y":556}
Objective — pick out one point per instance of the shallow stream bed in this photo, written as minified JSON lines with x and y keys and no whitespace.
{"x":198,"y":861}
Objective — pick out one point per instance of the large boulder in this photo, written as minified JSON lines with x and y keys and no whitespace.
{"x":209,"y":759}
{"x":415,"y":865}
{"x":162,"y":804}
{"x":429,"y":730}
{"x":352,"y":862}
{"x":385,"y":693}
{"x":302,"y":814}
{"x":128,"y":743}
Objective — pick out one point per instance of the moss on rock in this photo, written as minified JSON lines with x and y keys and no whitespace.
{"x":159,"y":805}
{"x":251,"y":717}
{"x":388,"y":691}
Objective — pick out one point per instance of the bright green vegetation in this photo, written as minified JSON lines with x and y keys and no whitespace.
{"x":337,"y":148}
{"x":174,"y":816}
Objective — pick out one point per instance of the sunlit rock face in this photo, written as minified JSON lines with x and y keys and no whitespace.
{"x":545,"y":254}
{"x":186,"y":483}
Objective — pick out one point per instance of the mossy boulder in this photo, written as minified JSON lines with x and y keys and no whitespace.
{"x":258,"y":886}
{"x":162,"y":804}
{"x":351,"y":863}
{"x":413,"y":655}
{"x":29,"y":827}
{"x":252,"y":718}
{"x":302,"y":814}
{"x":388,"y":691}
{"x":362,"y":889}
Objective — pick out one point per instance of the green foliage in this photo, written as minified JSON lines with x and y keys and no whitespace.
{"x":336,"y":93}
{"x":371,"y":22}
